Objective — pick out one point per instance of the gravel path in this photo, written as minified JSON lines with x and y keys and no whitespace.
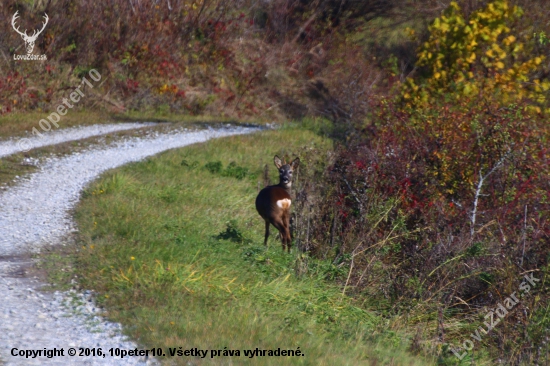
{"x":22,"y":144}
{"x":35,"y":213}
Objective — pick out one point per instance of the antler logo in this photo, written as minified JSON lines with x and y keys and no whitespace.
{"x":29,"y":40}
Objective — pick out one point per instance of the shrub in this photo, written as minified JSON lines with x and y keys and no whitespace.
{"x":478,"y":56}
{"x":439,"y":207}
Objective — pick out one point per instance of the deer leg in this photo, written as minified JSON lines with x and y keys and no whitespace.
{"x":287,"y":235}
{"x":288,"y":240}
{"x":282,"y":239}
{"x":266,"y":232}
{"x":282,"y":231}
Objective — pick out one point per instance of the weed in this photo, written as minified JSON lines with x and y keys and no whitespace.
{"x":214,"y":167}
{"x":190,"y":165}
{"x":236,"y":171}
{"x":232,"y":233}
{"x":232,"y":170}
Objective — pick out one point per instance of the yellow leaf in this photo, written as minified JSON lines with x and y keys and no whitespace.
{"x":509,"y":40}
{"x":499,"y":65}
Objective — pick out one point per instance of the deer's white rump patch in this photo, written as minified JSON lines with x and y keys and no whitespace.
{"x":284,"y":203}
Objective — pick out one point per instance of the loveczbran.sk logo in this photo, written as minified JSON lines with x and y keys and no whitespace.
{"x":29,"y":40}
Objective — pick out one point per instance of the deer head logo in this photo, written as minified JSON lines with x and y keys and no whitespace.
{"x":29,"y":40}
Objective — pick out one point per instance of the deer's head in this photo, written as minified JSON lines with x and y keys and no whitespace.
{"x":29,"y":40}
{"x":285,"y":170}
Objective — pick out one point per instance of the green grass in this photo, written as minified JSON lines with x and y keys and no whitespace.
{"x":175,"y":253}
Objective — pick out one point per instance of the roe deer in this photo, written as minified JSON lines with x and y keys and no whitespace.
{"x":273,"y":202}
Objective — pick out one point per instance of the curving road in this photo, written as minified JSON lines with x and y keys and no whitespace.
{"x":35,"y":213}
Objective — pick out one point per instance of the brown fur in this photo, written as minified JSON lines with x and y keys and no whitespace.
{"x":266,"y":203}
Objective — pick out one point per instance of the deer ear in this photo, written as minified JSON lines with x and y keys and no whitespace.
{"x":277,"y":162}
{"x":295,"y":163}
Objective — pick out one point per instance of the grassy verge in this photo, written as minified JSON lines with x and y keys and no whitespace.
{"x":17,"y":165}
{"x":174,"y":251}
{"x":21,"y":124}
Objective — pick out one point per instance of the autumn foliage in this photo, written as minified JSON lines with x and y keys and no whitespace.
{"x":440,"y":200}
{"x":479,"y":56}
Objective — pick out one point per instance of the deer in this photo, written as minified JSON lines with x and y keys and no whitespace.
{"x":273,"y":202}
{"x":29,"y":40}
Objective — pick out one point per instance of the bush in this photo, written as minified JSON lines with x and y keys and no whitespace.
{"x":478,"y":56}
{"x":439,"y":202}
{"x":438,"y":207}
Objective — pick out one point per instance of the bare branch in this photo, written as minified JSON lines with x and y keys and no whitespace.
{"x":482,"y":179}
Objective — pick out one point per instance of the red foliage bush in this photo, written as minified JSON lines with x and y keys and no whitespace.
{"x":441,"y":207}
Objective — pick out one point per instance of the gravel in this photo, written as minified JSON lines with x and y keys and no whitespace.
{"x":36,"y":213}
{"x":23,"y":144}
